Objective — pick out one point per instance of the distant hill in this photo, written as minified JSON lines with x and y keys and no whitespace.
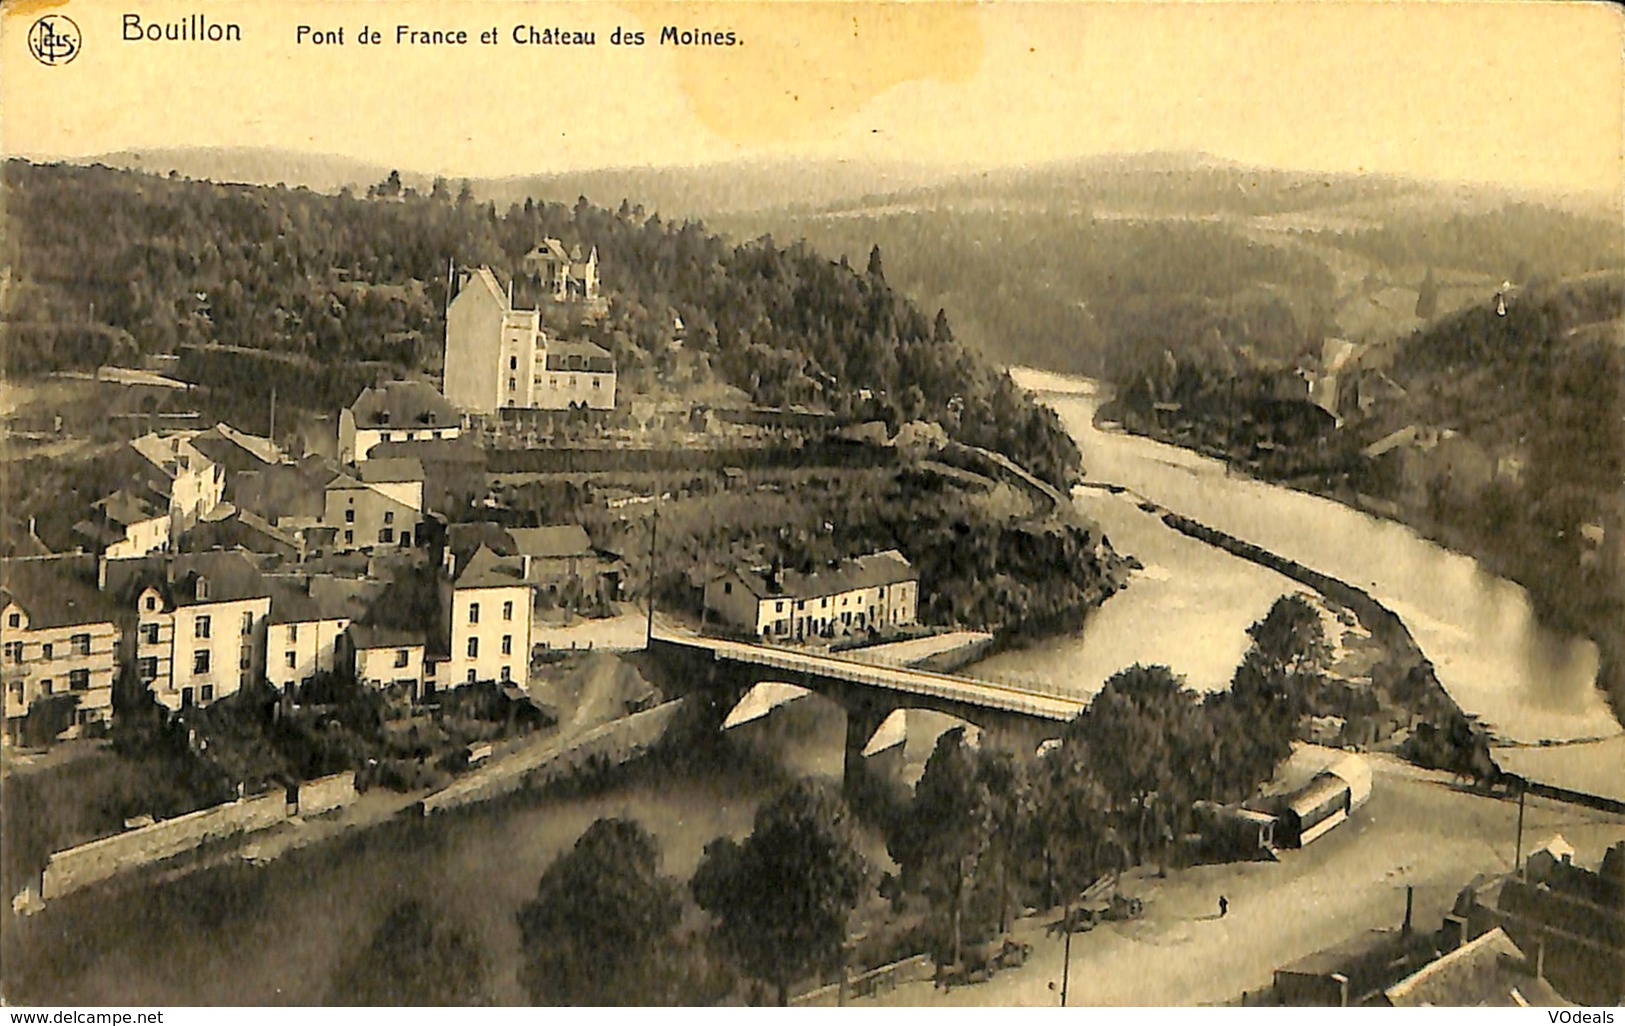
{"x":250,"y":165}
{"x":1105,"y":264}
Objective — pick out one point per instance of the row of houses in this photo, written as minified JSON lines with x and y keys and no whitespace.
{"x":193,"y":628}
{"x":873,"y":592}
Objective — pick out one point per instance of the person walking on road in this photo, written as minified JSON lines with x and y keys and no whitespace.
{"x":1224,"y":906}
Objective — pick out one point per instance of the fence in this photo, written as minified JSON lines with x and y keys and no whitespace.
{"x":619,"y":741}
{"x":75,"y":868}
{"x":882,"y":978}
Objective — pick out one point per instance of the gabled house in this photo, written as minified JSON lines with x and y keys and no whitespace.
{"x":489,"y":620}
{"x":59,"y":635}
{"x":191,"y":483}
{"x":201,"y":619}
{"x":398,"y":411}
{"x":566,"y":276}
{"x":236,"y":452}
{"x":365,"y":516}
{"x":125,"y":525}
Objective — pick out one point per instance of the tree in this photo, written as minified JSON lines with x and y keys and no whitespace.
{"x":1291,"y":638}
{"x":1143,"y":735}
{"x":1427,"y":297}
{"x":940,"y":840}
{"x":413,"y":958}
{"x":875,"y":269}
{"x":941,"y":331}
{"x":782,"y":898}
{"x":599,"y":930}
{"x":47,"y":717}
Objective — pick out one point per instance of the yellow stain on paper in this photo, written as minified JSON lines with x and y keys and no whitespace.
{"x":797,"y":67}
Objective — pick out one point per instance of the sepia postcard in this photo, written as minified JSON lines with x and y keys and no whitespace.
{"x":820,"y":504}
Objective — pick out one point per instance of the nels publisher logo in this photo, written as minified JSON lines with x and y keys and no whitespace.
{"x":54,"y":39}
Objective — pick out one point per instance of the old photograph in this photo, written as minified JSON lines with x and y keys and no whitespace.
{"x":818,"y":504}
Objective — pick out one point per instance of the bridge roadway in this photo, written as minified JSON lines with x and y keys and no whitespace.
{"x":944,"y":688}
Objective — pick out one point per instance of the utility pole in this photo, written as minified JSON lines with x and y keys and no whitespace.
{"x":654,"y":532}
{"x":1517,"y":857}
{"x":1066,"y":947}
{"x":272,"y":434}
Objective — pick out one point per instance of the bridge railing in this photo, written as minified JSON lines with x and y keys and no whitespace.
{"x":1046,"y":704}
{"x":1022,"y":682}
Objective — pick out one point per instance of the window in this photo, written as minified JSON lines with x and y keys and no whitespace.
{"x":248,"y":623}
{"x":513,"y":384}
{"x":149,"y":633}
{"x":473,"y":648}
{"x":200,"y":627}
{"x":79,"y":680}
{"x":386,"y":536}
{"x":147,"y":667}
{"x":507,"y":644}
{"x":152,"y":603}
{"x":293,"y":633}
{"x":242,"y":659}
{"x":572,"y":381}
{"x":778,"y":607}
{"x":17,"y":690}
{"x":45,"y":686}
{"x":507,"y":673}
{"x":727,"y":587}
{"x":81,"y":644}
{"x":206,"y":693}
{"x":349,"y":516}
{"x":45,"y":650}
{"x":389,"y":516}
{"x":596,"y":382}
{"x":14,"y":651}
{"x":402,"y":657}
{"x":471,"y":676}
{"x":473,"y":612}
{"x":513,"y":363}
{"x":435,"y":434}
{"x":16,"y":619}
{"x":292,"y":659}
{"x":200,"y":661}
{"x":554,"y":381}
{"x":507,"y":610}
{"x":349,"y":537}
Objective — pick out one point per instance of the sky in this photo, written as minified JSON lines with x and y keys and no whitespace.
{"x":1518,"y":92}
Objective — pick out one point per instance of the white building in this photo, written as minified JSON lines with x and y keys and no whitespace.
{"x":388,"y":657}
{"x":58,"y":636}
{"x":565,"y":275}
{"x":301,"y":638}
{"x":201,"y":626}
{"x":126,"y":526}
{"x":192,"y":483}
{"x":870,"y":592}
{"x":499,"y":357}
{"x":399,"y":411}
{"x":490,"y":621}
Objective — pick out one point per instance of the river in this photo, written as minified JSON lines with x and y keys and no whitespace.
{"x":1526,"y":682}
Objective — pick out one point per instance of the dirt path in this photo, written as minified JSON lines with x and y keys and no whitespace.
{"x":1415,"y":830}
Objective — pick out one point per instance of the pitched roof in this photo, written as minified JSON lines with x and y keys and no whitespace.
{"x":367,"y":635}
{"x":577,"y":347}
{"x":1489,"y":970}
{"x":351,"y":597}
{"x":402,"y":404}
{"x":550,"y":541}
{"x":57,"y":591}
{"x":871,"y":571}
{"x":390,"y":469}
{"x":125,"y":508}
{"x":291,"y":603}
{"x":235,"y":450}
{"x":486,"y":569}
{"x":230,"y":576}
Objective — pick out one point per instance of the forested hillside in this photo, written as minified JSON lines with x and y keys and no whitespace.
{"x":1110,"y":266}
{"x":107,"y":266}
